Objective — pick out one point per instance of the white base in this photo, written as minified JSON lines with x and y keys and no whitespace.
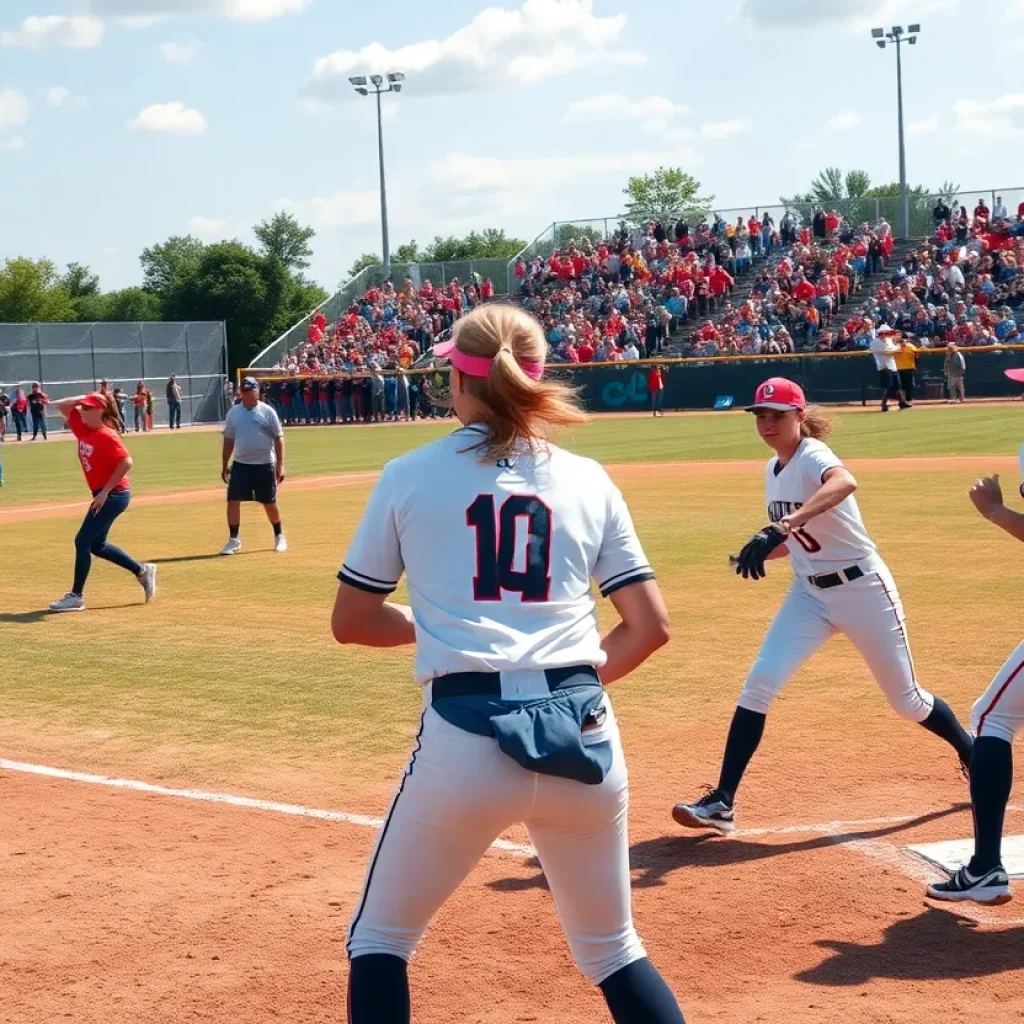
{"x":955,"y":853}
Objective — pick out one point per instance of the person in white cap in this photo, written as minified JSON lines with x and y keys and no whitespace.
{"x":840,"y":585}
{"x":884,"y":349}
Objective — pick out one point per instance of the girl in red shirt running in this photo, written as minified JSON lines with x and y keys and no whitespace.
{"x":93,"y":419}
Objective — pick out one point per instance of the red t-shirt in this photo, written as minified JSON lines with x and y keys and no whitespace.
{"x":804,"y":291}
{"x":586,"y":353}
{"x":99,"y":451}
{"x":655,"y":381}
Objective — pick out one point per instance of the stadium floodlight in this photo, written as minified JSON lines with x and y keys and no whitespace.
{"x":912,"y":40}
{"x":362,"y":90}
{"x":358,"y":80}
{"x":395,"y":77}
{"x":877,"y":33}
{"x":880,"y":44}
{"x":378,"y":80}
{"x":914,"y":29}
{"x":897,"y":30}
{"x":397,"y":87}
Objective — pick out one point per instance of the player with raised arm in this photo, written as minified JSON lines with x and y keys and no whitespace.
{"x":840,"y":585}
{"x":499,"y":534}
{"x":996,"y":719}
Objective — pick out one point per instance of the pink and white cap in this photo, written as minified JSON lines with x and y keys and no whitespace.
{"x":779,"y":394}
{"x":479,"y":366}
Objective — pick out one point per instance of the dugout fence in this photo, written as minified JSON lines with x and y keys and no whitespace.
{"x":69,"y":359}
{"x":833,"y":378}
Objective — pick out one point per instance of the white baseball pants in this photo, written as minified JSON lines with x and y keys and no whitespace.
{"x":869,"y":612}
{"x":458,"y":794}
{"x":999,"y":712}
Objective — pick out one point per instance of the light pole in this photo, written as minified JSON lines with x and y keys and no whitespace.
{"x":364,"y":86}
{"x":899,"y":36}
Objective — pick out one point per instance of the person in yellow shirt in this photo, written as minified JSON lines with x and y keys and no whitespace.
{"x":906,"y":364}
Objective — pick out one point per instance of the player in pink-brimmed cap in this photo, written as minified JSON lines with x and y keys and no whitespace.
{"x":840,"y":585}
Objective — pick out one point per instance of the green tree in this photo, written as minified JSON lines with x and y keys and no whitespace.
{"x":79,"y":281}
{"x":31,"y":292}
{"x":666,"y":195}
{"x":164,"y":264}
{"x":407,"y":253}
{"x":567,"y":233}
{"x":130,"y":305}
{"x":368,"y":259}
{"x":284,"y":239}
{"x":491,"y":243}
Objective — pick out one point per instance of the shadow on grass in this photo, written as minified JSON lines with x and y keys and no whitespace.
{"x":200,"y":558}
{"x":935,"y":944}
{"x":22,"y":618}
{"x":653,"y":859}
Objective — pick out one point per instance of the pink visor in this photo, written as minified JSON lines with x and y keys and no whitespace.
{"x":479,"y":366}
{"x":1017,"y":375}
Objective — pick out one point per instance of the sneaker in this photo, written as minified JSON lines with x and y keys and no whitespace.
{"x":68,"y":603}
{"x":280,"y":544}
{"x":710,"y":811}
{"x":991,"y":888}
{"x":233,"y":545}
{"x":148,"y":580}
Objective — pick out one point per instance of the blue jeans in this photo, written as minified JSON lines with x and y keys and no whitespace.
{"x":20,"y":426}
{"x":174,"y":412}
{"x":326,"y":408}
{"x":38,"y":423}
{"x":91,"y":539}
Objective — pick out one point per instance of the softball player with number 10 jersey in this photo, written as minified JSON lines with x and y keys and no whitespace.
{"x":840,"y":585}
{"x":499,"y":535}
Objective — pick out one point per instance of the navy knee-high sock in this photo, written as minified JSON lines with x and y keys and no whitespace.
{"x":991,"y":782}
{"x":744,"y":738}
{"x":944,"y":723}
{"x":378,"y":990}
{"x":637,"y":994}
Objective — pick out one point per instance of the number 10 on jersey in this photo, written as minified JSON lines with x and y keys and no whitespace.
{"x":496,"y":548}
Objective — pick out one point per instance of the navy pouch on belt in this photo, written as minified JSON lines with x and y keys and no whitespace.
{"x":543,"y":735}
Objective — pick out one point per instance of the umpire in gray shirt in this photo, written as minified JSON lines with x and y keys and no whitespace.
{"x":253,"y":435}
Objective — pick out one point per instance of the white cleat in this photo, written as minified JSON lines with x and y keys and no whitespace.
{"x":148,"y":580}
{"x":233,"y":546}
{"x":710,"y":811}
{"x":68,"y":603}
{"x":280,"y":544}
{"x":992,"y":888}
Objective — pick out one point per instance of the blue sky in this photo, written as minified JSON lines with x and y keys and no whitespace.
{"x":125,"y":121}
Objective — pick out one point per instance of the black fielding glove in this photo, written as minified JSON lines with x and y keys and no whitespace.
{"x":750,"y":563}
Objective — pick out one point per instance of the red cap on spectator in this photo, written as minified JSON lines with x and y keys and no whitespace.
{"x":779,"y":394}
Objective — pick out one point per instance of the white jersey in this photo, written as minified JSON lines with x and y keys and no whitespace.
{"x":883,"y":350}
{"x":499,"y":558}
{"x":836,"y":539}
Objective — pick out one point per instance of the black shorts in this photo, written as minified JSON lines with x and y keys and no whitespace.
{"x":253,"y":483}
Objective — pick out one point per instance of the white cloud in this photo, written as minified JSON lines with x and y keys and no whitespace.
{"x":208,"y":226}
{"x":169,"y":118}
{"x":13,"y":108}
{"x":146,"y":12}
{"x":656,"y":114}
{"x":997,"y":117}
{"x":56,"y":30}
{"x":725,"y":129}
{"x":498,"y":47}
{"x":181,"y":53}
{"x":855,"y":15}
{"x":924,"y":127}
{"x":57,"y":96}
{"x":841,"y":122}
{"x":342,"y":210}
{"x":140,"y":21}
{"x":13,"y":144}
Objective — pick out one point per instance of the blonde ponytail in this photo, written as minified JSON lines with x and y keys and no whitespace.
{"x":816,"y":423}
{"x":516,"y":409}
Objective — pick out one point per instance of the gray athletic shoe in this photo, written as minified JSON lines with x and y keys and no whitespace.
{"x":710,"y":811}
{"x":148,"y":580}
{"x":68,"y":603}
{"x":991,"y":888}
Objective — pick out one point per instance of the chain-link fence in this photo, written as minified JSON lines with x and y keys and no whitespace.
{"x":69,"y":359}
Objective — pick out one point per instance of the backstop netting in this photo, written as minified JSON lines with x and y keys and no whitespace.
{"x":69,"y":359}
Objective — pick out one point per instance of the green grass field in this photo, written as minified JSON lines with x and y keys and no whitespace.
{"x":233,"y":665}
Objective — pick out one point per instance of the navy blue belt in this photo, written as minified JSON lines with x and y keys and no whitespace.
{"x":828,"y":580}
{"x":488,"y":684}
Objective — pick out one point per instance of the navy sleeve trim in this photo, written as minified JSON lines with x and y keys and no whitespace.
{"x":359,"y":585}
{"x":369,"y":579}
{"x":618,"y":576}
{"x":641,"y":577}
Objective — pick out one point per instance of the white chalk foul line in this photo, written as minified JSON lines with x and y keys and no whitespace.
{"x":251,"y":803}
